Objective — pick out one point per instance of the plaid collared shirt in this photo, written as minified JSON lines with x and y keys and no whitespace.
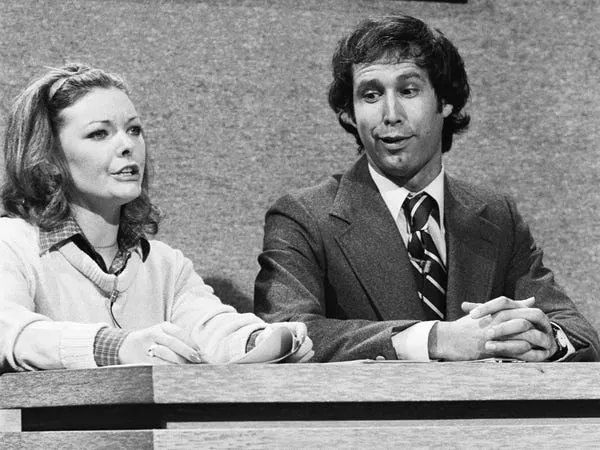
{"x":128,"y":240}
{"x":108,"y":340}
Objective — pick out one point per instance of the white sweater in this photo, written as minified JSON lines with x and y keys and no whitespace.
{"x":68,"y":290}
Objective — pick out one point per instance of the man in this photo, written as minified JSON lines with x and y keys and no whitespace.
{"x":395,"y":259}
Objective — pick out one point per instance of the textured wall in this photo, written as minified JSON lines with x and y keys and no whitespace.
{"x":233,"y":96}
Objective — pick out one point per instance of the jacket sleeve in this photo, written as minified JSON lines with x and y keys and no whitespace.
{"x":527,"y":276}
{"x":292,"y":285}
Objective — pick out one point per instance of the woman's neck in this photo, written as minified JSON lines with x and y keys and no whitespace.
{"x":100,"y":230}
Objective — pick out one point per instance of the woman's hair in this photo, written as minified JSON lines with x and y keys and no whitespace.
{"x":398,"y":38}
{"x":38,"y":186}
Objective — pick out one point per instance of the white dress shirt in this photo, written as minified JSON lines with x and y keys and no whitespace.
{"x":412,"y":342}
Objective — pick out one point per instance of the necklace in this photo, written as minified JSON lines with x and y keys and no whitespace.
{"x":114,"y":244}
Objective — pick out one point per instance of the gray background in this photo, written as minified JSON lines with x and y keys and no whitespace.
{"x":233,"y":98}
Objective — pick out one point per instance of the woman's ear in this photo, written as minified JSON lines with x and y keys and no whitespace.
{"x":447,"y":110}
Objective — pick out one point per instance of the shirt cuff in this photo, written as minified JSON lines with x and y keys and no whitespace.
{"x":564,"y":338}
{"x":107,"y":344}
{"x":412,"y":342}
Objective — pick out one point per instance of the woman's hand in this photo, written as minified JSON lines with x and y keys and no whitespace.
{"x":164,"y":343}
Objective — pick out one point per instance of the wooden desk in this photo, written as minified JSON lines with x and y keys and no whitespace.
{"x":344,"y":405}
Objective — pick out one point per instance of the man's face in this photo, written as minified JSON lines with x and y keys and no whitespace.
{"x":399,"y":121}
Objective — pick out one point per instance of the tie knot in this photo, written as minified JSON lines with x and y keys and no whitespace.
{"x":417,"y":210}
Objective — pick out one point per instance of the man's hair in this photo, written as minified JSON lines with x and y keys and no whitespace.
{"x":395,"y":39}
{"x":38,"y":185}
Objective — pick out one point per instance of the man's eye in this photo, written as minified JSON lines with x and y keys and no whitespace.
{"x":370,"y":96}
{"x":97,"y":135}
{"x":410,"y":92}
{"x":135,"y":130}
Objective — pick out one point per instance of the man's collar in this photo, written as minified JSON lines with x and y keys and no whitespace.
{"x":68,"y":229}
{"x":394,"y":195}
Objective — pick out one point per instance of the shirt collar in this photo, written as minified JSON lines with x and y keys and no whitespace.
{"x":394,"y":195}
{"x":58,"y":235}
{"x":129,"y":239}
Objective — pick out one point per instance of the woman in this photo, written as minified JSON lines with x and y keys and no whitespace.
{"x":80,"y":284}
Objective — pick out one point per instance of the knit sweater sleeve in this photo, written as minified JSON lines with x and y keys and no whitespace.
{"x":29,"y":340}
{"x":219,"y":330}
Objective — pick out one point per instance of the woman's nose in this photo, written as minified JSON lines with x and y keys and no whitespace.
{"x":125,"y":144}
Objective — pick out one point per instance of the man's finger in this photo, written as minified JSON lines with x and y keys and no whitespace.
{"x":517,"y":349}
{"x":535,"y":355}
{"x":535,"y":337}
{"x":509,"y":348}
{"x":535,"y":316}
{"x":499,"y":304}
{"x":508,"y":328}
{"x":467,"y":307}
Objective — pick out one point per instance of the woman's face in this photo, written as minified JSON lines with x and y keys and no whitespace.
{"x":103,"y":143}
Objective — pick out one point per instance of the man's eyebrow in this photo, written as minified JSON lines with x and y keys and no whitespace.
{"x":374,"y":82}
{"x":407,"y":75}
{"x":370,"y":83}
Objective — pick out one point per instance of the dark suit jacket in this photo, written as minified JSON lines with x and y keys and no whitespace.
{"x":333,"y":258}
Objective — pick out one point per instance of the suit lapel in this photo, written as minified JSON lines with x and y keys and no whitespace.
{"x":372,"y":244}
{"x":472,"y":248}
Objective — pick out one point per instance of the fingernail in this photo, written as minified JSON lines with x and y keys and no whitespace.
{"x":196,"y":358}
{"x":490,"y":334}
{"x":490,"y":346}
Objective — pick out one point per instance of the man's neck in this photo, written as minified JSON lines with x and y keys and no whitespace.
{"x":415,"y":182}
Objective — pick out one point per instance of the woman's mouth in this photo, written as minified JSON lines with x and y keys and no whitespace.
{"x":129,"y":172}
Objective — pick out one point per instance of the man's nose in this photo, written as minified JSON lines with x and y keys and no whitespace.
{"x":393,"y":111}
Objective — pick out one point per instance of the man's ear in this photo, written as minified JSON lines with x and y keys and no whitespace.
{"x":447,"y":110}
{"x":347,"y":119}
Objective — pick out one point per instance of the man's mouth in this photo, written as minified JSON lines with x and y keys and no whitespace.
{"x":391,"y":139}
{"x":394,"y":141}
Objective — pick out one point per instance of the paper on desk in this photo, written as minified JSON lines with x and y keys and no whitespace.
{"x":280,"y":344}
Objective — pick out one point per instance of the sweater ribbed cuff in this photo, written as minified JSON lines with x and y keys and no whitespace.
{"x":77,"y":346}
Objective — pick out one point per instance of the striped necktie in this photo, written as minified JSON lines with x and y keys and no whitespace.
{"x":428,"y":268}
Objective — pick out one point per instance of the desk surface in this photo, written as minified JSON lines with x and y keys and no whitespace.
{"x":345,"y":404}
{"x":290,"y":383}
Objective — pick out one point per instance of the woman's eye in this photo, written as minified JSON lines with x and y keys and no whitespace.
{"x":98,"y":135}
{"x":135,"y":130}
